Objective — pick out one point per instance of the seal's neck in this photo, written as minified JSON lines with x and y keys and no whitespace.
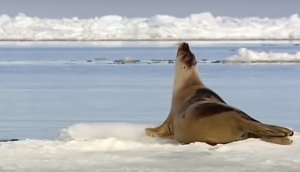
{"x":184,"y":79}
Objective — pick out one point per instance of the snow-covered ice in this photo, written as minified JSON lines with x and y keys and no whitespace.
{"x":91,"y":117}
{"x":246,"y":55}
{"x":123,"y":147}
{"x":113,"y":27}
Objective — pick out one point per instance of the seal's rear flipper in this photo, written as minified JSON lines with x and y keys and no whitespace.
{"x":266,"y":130}
{"x":278,"y":140}
{"x":269,"y":133}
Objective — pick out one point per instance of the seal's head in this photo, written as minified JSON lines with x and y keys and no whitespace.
{"x":186,"y":71}
{"x":185,"y":58}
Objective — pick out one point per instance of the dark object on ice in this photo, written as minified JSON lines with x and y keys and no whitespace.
{"x":217,"y":61}
{"x":162,"y":60}
{"x":156,"y":60}
{"x":171,"y":61}
{"x":126,"y":61}
{"x":9,"y":140}
{"x":100,"y":59}
{"x":269,"y":44}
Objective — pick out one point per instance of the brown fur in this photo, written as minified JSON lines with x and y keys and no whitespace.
{"x":198,"y":114}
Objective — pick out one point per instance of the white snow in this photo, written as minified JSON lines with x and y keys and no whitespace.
{"x":124,"y":147}
{"x":247,"y":56}
{"x":113,"y":27}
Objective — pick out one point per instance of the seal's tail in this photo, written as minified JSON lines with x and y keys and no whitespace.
{"x":270,"y":133}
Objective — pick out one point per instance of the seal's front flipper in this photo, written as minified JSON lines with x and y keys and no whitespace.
{"x":161,"y":131}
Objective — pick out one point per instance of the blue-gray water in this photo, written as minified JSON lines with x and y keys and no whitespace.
{"x":36,"y":101}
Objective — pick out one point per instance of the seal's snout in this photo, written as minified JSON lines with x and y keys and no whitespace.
{"x":184,"y":47}
{"x":185,"y":55}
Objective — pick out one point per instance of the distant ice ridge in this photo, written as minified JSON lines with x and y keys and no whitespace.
{"x":243,"y":55}
{"x":247,"y":56}
{"x":113,"y":27}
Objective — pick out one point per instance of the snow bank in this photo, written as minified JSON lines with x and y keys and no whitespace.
{"x":249,"y":56}
{"x":116,"y":134}
{"x":124,"y":147}
{"x":113,"y":27}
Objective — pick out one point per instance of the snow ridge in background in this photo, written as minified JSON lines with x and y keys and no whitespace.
{"x":113,"y":27}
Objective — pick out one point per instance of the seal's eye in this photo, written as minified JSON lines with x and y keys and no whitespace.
{"x":188,"y":59}
{"x":184,"y":56}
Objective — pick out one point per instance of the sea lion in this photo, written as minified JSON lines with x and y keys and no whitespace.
{"x":198,"y":114}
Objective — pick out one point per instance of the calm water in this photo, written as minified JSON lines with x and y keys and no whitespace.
{"x":36,"y":101}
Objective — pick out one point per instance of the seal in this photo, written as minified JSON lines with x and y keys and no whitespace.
{"x":198,"y":114}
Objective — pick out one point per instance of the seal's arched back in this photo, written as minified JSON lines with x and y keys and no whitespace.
{"x":199,"y":114}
